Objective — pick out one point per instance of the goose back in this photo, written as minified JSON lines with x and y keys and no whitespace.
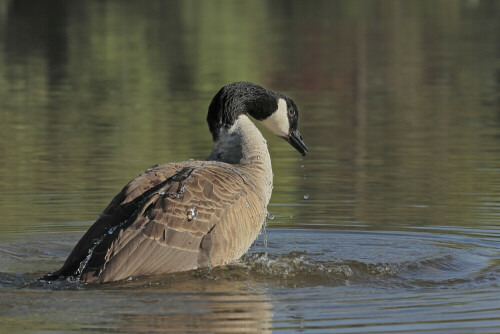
{"x":173,"y":217}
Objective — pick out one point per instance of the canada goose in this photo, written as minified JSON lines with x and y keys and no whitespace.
{"x":185,"y":215}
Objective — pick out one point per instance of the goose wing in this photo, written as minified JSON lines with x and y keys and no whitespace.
{"x":171,"y":218}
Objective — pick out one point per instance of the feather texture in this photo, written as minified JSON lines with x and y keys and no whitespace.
{"x":171,"y":218}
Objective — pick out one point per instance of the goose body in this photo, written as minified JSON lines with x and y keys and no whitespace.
{"x":182,"y":216}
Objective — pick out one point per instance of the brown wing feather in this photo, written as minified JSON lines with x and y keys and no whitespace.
{"x":120,"y":208}
{"x":146,"y":229}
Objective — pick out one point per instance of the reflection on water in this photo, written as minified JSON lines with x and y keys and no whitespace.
{"x":390,"y":277}
{"x":391,"y":223}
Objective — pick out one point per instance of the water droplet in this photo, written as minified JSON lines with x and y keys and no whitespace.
{"x":161,"y":193}
{"x":248,"y":205}
{"x":111,"y":230}
{"x":302,"y":165}
{"x":151,"y":168}
{"x":258,"y":157}
{"x":192,"y":214}
{"x":306,"y":196}
{"x":265,"y":235}
{"x":270,"y":216}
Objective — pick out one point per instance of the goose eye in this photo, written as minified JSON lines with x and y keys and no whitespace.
{"x":291,"y":112}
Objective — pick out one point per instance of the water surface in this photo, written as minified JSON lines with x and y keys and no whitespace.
{"x":390,"y":224}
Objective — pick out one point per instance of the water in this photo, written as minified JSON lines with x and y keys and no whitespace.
{"x":399,"y":105}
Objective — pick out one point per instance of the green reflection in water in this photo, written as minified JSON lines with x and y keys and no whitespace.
{"x":399,"y":104}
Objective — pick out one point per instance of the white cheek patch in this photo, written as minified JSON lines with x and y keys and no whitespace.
{"x":278,"y":122}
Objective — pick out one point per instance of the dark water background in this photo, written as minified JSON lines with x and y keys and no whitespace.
{"x":391,"y":224}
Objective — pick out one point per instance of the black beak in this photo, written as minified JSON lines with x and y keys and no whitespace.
{"x":295,"y":139}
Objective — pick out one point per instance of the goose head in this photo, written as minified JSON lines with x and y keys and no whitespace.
{"x":276,"y":111}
